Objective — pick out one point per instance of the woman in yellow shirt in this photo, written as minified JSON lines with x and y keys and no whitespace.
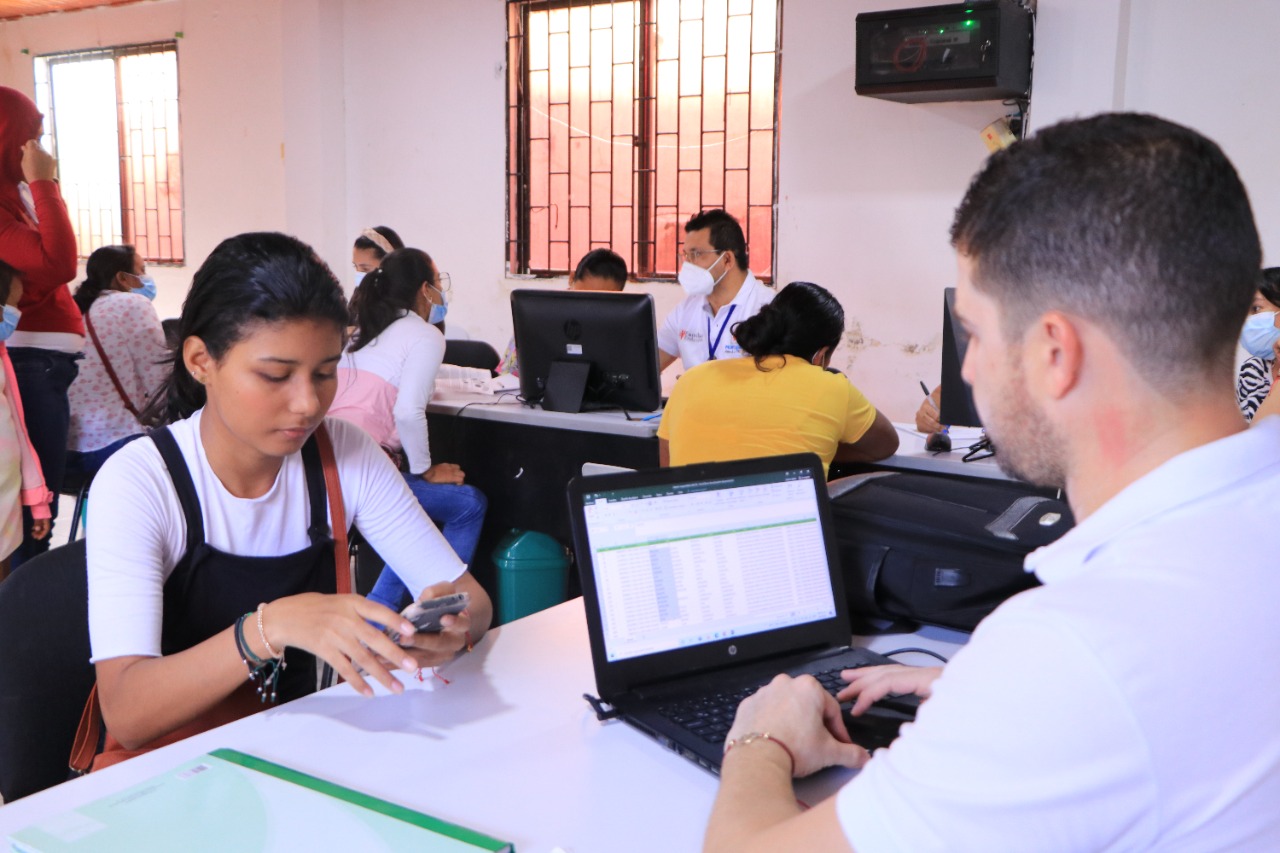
{"x":783,"y":399}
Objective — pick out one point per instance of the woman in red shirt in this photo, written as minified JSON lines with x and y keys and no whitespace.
{"x":36,"y":240}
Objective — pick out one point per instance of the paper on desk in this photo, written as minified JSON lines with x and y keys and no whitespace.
{"x":227,"y":800}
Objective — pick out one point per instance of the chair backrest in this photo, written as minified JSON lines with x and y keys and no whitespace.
{"x":471,"y":354}
{"x":45,"y":674}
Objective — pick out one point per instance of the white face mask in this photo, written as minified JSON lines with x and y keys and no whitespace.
{"x":698,"y":281}
{"x":359,"y":277}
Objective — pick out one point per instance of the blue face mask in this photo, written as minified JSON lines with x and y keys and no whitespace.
{"x":437,"y":312}
{"x":359,"y":277}
{"x":1260,"y":334}
{"x":148,"y":286}
{"x":10,"y":322}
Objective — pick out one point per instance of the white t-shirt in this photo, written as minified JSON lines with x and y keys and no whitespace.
{"x":1128,"y":704}
{"x":406,"y":357}
{"x":136,"y":532}
{"x":690,"y":331}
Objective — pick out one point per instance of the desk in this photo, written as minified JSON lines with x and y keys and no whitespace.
{"x":509,"y":748}
{"x":912,"y":456}
{"x":523,"y":458}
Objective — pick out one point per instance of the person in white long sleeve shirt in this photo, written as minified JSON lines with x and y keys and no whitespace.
{"x":385,"y":379}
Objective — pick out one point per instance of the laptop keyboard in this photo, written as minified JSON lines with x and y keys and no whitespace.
{"x":709,"y":717}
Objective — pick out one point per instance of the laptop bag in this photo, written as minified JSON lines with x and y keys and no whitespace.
{"x":929,"y":549}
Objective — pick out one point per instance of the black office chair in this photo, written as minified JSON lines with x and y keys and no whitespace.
{"x":78,"y":485}
{"x":471,"y":354}
{"x":45,"y":674}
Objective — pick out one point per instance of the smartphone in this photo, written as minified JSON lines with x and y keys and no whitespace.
{"x":425,"y":615}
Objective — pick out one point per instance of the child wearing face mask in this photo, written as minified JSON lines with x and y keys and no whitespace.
{"x":385,"y":379}
{"x":1260,"y":337}
{"x":124,"y":362}
{"x":21,"y":480}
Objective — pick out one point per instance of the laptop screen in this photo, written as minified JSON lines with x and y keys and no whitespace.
{"x":677,"y":565}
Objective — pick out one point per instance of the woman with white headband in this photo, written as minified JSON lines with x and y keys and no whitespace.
{"x":371,"y":247}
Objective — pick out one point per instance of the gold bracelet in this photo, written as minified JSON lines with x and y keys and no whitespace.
{"x":753,"y":737}
{"x":263,"y":634}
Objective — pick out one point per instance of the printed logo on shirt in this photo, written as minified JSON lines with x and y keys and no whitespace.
{"x":731,"y":347}
{"x":692,"y":335}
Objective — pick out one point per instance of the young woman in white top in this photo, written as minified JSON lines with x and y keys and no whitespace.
{"x":384,"y":382}
{"x":125,"y":358}
{"x":209,"y":549}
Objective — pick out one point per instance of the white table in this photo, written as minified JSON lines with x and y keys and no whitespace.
{"x":912,"y":456}
{"x":508,"y":748}
{"x":507,"y":409}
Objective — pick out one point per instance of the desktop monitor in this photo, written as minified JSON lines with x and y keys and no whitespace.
{"x":587,"y":349}
{"x":957,"y":407}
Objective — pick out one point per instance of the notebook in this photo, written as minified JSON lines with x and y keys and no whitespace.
{"x":227,"y":800}
{"x":703,"y":582}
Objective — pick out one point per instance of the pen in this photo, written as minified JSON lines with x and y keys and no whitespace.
{"x":928,"y":396}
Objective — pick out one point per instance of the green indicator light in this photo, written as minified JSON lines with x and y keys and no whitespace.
{"x":968,"y":11}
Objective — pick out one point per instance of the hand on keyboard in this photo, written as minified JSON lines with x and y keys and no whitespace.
{"x":870,"y":684}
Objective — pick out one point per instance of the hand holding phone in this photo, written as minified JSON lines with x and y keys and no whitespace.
{"x":426,"y":615}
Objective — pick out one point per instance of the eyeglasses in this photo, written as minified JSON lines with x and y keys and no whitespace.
{"x":444,"y":284}
{"x":691,"y":255}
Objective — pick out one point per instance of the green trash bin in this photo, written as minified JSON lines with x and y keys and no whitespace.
{"x":533,"y":573}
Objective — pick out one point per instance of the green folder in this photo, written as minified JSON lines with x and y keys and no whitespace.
{"x":228,"y":800}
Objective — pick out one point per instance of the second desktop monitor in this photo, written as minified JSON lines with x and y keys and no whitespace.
{"x":587,"y":350}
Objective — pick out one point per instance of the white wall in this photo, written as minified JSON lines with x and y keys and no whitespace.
{"x":229,"y":67}
{"x":866,"y":192}
{"x":1213,"y":67}
{"x":426,"y":140}
{"x":320,"y":117}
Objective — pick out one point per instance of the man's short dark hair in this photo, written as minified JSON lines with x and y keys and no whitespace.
{"x":1129,"y":221}
{"x":726,"y":233}
{"x":605,"y":264}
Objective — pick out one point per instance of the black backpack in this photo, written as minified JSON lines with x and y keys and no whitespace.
{"x":932,"y":549}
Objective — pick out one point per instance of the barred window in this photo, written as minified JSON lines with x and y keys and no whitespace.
{"x":111,"y":119}
{"x":626,"y":118}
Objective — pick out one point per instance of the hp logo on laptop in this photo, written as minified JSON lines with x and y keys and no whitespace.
{"x":733,"y":650}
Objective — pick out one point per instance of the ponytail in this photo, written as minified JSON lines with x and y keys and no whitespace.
{"x":100,"y":273}
{"x":801,"y":320}
{"x":386,"y":293}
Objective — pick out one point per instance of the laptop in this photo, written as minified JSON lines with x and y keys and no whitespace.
{"x":701,"y":583}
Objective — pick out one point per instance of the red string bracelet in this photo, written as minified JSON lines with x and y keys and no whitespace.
{"x":753,"y":737}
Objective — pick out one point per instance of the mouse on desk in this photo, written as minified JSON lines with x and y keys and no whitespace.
{"x":937,"y":442}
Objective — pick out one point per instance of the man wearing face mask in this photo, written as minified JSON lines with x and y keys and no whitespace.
{"x":1260,"y":337}
{"x":720,"y":291}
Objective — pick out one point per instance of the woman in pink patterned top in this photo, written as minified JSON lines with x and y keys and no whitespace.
{"x":124,"y":357}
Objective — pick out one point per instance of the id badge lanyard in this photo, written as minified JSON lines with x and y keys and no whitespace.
{"x":712,"y":346}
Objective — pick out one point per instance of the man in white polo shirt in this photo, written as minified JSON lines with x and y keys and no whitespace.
{"x":1130,"y":703}
{"x":721,"y":291}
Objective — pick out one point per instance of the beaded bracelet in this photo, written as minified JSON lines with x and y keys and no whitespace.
{"x":263,"y":634}
{"x":264,"y":673}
